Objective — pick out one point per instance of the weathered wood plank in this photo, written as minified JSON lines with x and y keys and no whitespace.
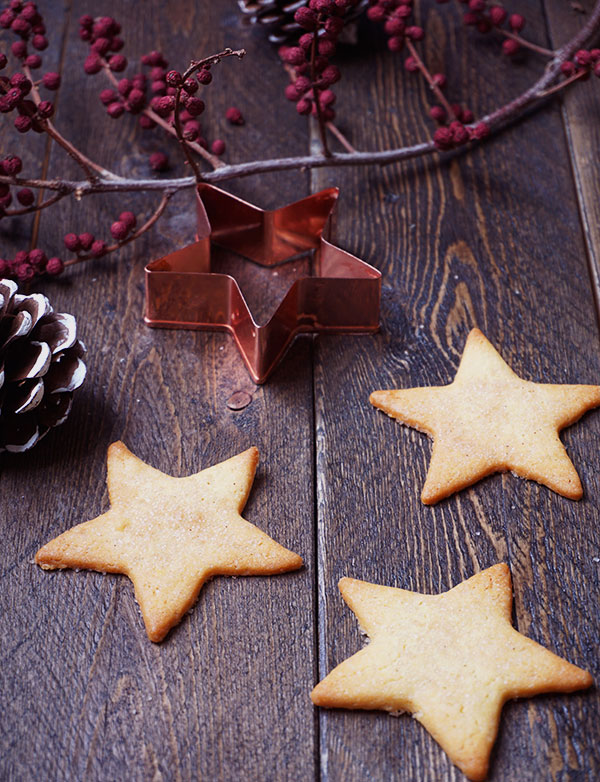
{"x":462,"y":241}
{"x":580,"y":109}
{"x":225,"y":696}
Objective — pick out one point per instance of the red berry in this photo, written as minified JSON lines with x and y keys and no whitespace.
{"x":415,"y":33}
{"x":437,"y":113}
{"x":3,"y":60}
{"x":190,"y":86}
{"x":117,"y":63}
{"x":54,"y":266}
{"x":129,"y":219}
{"x":72,"y":242}
{"x":330,"y":75}
{"x":98,"y":248}
{"x":567,"y":68}
{"x":442,"y":138}
{"x":583,"y":58}
{"x":204,"y":76}
{"x":37,"y":258}
{"x":24,"y":272}
{"x":108,"y":96}
{"x":115,"y":110}
{"x":86,"y":240}
{"x":295,"y":55}
{"x":218,"y":147}
{"x":376,"y":13}
{"x":92,"y":64}
{"x":597,"y":69}
{"x":480,"y":131}
{"x":439,"y":80}
{"x":25,"y":196}
{"x":136,"y":100}
{"x":304,"y":106}
{"x":51,"y":80}
{"x":147,"y":123}
{"x":497,"y":15}
{"x":306,"y":18}
{"x":45,"y":109}
{"x":174,"y":78}
{"x":119,"y":230}
{"x":234,"y":116}
{"x":516,"y":22}
{"x":12,"y":165}
{"x":159,"y":161}
{"x":23,"y":123}
{"x":411,"y":65}
{"x":395,"y":43}
{"x":39,"y":42}
{"x":510,"y":47}
{"x":195,"y":106}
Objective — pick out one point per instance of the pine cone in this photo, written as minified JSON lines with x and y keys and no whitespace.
{"x":40,"y":367}
{"x":277,"y":16}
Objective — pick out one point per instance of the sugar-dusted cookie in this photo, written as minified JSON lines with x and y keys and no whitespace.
{"x":452,"y":660}
{"x":170,"y":535}
{"x":490,"y":420}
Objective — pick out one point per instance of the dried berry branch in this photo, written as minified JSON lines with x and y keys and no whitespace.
{"x":312,"y":76}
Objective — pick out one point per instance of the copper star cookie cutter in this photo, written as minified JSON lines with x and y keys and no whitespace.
{"x":340,"y":297}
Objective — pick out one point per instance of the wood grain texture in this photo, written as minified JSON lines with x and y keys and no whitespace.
{"x":580,"y":110}
{"x":86,"y":695}
{"x":461,"y":241}
{"x":492,"y":238}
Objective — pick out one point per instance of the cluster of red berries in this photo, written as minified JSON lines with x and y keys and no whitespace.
{"x":86,"y":245}
{"x":395,"y":17}
{"x":150,"y":94}
{"x":25,"y":21}
{"x":487,"y":17}
{"x":11,"y":166}
{"x":456,"y":134}
{"x":27,"y":265}
{"x":323,"y":21}
{"x":585,"y":62}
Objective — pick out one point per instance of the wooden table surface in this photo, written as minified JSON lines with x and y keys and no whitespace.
{"x":505,"y":237}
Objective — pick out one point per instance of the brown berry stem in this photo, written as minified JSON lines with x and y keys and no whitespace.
{"x":429,"y":78}
{"x":37,"y":207}
{"x":91,"y":169}
{"x":331,"y":127}
{"x":318,"y":109}
{"x":565,"y":83}
{"x":525,"y":43}
{"x":335,"y":131}
{"x":141,"y":230}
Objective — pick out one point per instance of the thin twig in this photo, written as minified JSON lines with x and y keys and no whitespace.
{"x":525,"y":43}
{"x":429,"y":78}
{"x":141,"y":230}
{"x":315,"y":91}
{"x":36,"y":207}
{"x":335,"y":131}
{"x":91,"y":169}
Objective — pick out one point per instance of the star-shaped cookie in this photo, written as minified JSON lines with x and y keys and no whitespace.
{"x":452,"y":660}
{"x":490,"y":420}
{"x":170,"y":535}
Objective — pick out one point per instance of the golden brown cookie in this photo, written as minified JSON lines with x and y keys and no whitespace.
{"x":490,"y":420}
{"x":170,"y":535}
{"x":451,"y":660}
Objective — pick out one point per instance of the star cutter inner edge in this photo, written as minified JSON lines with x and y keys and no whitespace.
{"x":341,"y":296}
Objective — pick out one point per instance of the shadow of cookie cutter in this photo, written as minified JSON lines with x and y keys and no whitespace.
{"x":341,"y":296}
